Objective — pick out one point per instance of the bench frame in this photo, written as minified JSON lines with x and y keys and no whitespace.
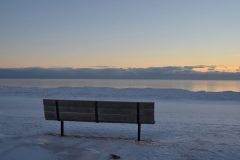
{"x":96,"y":117}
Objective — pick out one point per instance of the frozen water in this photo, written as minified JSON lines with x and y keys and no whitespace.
{"x":104,"y":93}
{"x":189,"y":125}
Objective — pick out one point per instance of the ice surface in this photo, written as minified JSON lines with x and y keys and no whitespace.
{"x":104,"y":93}
{"x":189,"y":125}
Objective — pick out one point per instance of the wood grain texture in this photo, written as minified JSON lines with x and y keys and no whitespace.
{"x":146,"y":105}
{"x":50,"y":108}
{"x":76,"y":103}
{"x":76,"y":109}
{"x":49,"y":102}
{"x":147,"y":120}
{"x":77,"y":117}
{"x":123,"y":105}
{"x":50,"y":115}
{"x":117,"y":111}
{"x":147,"y":113}
{"x":117,"y":118}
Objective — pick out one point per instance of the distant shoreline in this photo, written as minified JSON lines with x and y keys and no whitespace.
{"x":160,"y":73}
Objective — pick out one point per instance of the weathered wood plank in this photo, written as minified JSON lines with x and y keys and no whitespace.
{"x":117,"y":111}
{"x":76,"y":117}
{"x":117,"y":118}
{"x":123,"y":105}
{"x":146,"y":105}
{"x":147,"y":113}
{"x":77,"y":109}
{"x":50,"y":115}
{"x":50,"y":108}
{"x":147,"y":120}
{"x":76,"y":103}
{"x":49,"y":102}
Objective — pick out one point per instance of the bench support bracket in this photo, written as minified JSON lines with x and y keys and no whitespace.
{"x":139,"y":131}
{"x":62,"y":128}
{"x":138,"y":122}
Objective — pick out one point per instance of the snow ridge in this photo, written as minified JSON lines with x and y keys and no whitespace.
{"x":105,"y":93}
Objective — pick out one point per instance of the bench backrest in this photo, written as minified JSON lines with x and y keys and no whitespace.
{"x":99,"y":111}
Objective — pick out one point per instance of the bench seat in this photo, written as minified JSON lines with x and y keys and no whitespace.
{"x":99,"y":111}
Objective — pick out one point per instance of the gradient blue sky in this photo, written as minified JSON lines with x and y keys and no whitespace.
{"x":123,"y":33}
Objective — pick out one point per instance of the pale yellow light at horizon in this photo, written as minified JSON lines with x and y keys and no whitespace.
{"x":219,"y":68}
{"x":123,"y":59}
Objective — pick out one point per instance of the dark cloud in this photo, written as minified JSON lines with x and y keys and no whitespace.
{"x":198,"y":66}
{"x":211,"y":68}
{"x":100,"y":67}
{"x":168,"y":72}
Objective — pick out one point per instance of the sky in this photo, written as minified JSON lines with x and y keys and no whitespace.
{"x":120,"y":34}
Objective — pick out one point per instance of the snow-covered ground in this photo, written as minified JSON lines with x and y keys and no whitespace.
{"x":189,"y":125}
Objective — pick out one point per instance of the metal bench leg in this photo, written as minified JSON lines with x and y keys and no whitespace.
{"x":139,"y":131}
{"x":62,"y":128}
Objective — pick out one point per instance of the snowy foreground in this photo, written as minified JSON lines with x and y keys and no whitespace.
{"x":189,"y":126}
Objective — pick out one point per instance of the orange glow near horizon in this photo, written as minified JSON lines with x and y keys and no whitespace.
{"x":218,"y":68}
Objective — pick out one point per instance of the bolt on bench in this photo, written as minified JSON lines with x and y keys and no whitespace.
{"x":99,"y":111}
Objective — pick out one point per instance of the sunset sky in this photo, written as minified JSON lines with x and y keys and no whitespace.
{"x":120,"y":34}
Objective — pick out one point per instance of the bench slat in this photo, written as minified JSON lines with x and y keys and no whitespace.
{"x":147,"y":113}
{"x":76,"y":103}
{"x":50,"y":115}
{"x":47,"y":102}
{"x":117,"y":111}
{"x":117,"y":118}
{"x":50,"y":108}
{"x":147,"y":120}
{"x":77,"y":117}
{"x":123,"y":105}
{"x":77,"y":109}
{"x":146,"y":105}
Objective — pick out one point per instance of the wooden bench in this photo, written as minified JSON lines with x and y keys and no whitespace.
{"x":99,"y":111}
